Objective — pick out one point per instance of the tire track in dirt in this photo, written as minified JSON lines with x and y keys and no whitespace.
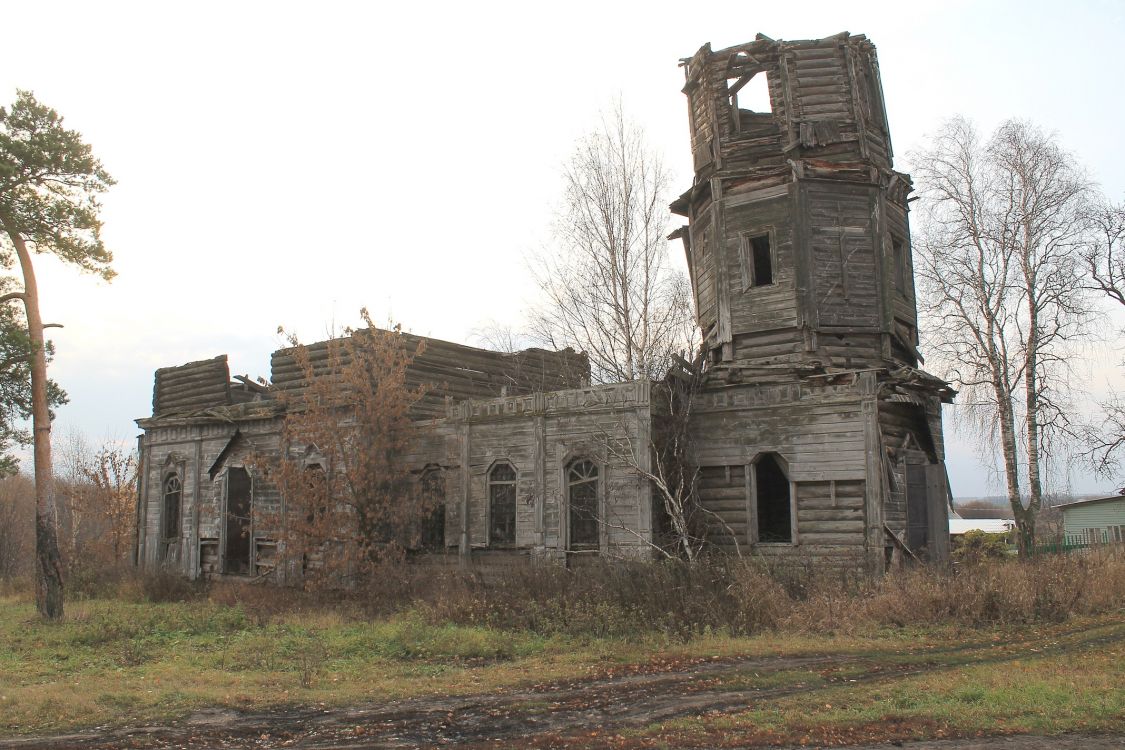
{"x":563,"y":712}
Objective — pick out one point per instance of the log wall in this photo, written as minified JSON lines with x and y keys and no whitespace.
{"x":446,"y":371}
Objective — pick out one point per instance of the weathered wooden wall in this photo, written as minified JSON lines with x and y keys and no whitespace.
{"x":820,"y":431}
{"x":538,"y":434}
{"x":189,"y":448}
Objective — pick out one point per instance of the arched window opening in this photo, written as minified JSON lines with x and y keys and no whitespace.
{"x":582,"y":493}
{"x":173,"y":495}
{"x":502,"y":505}
{"x":775,"y":513}
{"x":433,"y":504}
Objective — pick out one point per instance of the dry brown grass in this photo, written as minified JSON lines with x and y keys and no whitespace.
{"x":743,"y":597}
{"x":678,"y":600}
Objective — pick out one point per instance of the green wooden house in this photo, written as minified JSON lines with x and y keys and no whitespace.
{"x":1097,"y":521}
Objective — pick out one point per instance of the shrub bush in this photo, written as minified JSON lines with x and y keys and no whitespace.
{"x":975,"y":546}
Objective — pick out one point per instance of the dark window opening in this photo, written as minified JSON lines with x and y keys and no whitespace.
{"x":433,"y":504}
{"x":757,"y":261}
{"x":898,"y":250}
{"x":763,"y":262}
{"x":775,"y":519}
{"x":502,"y":505}
{"x":582,"y":486}
{"x":173,"y":494}
{"x":237,"y":557}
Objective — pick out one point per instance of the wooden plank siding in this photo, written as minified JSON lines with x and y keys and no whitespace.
{"x":819,"y":431}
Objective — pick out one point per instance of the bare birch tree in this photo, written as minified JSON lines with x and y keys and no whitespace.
{"x":1104,"y":258}
{"x":1000,"y":270}
{"x":607,"y":286}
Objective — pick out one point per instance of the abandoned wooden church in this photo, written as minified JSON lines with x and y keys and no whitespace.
{"x":815,"y":435}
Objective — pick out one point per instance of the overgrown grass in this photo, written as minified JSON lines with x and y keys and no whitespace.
{"x":132,"y":660}
{"x":743,"y":597}
{"x":126,"y":662}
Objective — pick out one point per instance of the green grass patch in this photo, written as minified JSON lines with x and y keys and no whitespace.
{"x":113,"y":663}
{"x":1067,"y":678}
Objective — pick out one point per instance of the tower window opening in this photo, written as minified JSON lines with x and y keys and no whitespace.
{"x":749,"y":94}
{"x":898,"y":250}
{"x":757,"y":260}
{"x":775,"y":513}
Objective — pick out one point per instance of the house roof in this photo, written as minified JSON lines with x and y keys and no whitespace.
{"x":987,"y":525}
{"x":1091,"y":501}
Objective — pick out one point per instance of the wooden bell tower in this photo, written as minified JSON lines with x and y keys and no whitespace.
{"x":816,"y":436}
{"x":797,"y":236}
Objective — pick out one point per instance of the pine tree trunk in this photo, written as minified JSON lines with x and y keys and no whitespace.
{"x":48,"y":567}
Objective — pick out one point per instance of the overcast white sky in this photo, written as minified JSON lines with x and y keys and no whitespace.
{"x":286,"y":163}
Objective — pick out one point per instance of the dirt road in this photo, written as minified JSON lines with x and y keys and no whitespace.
{"x":602,"y":711}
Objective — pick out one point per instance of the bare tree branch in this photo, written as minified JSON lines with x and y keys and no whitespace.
{"x":1000,"y":275}
{"x":607,"y":287}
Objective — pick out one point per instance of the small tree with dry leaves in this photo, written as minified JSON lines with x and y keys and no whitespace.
{"x":97,"y":496}
{"x":349,"y":501}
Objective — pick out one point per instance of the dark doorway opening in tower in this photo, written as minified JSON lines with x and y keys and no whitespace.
{"x":917,"y":507}
{"x":756,"y":260}
{"x":775,"y":513}
{"x":237,"y":547}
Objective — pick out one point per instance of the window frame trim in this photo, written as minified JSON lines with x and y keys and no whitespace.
{"x":904,"y":271}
